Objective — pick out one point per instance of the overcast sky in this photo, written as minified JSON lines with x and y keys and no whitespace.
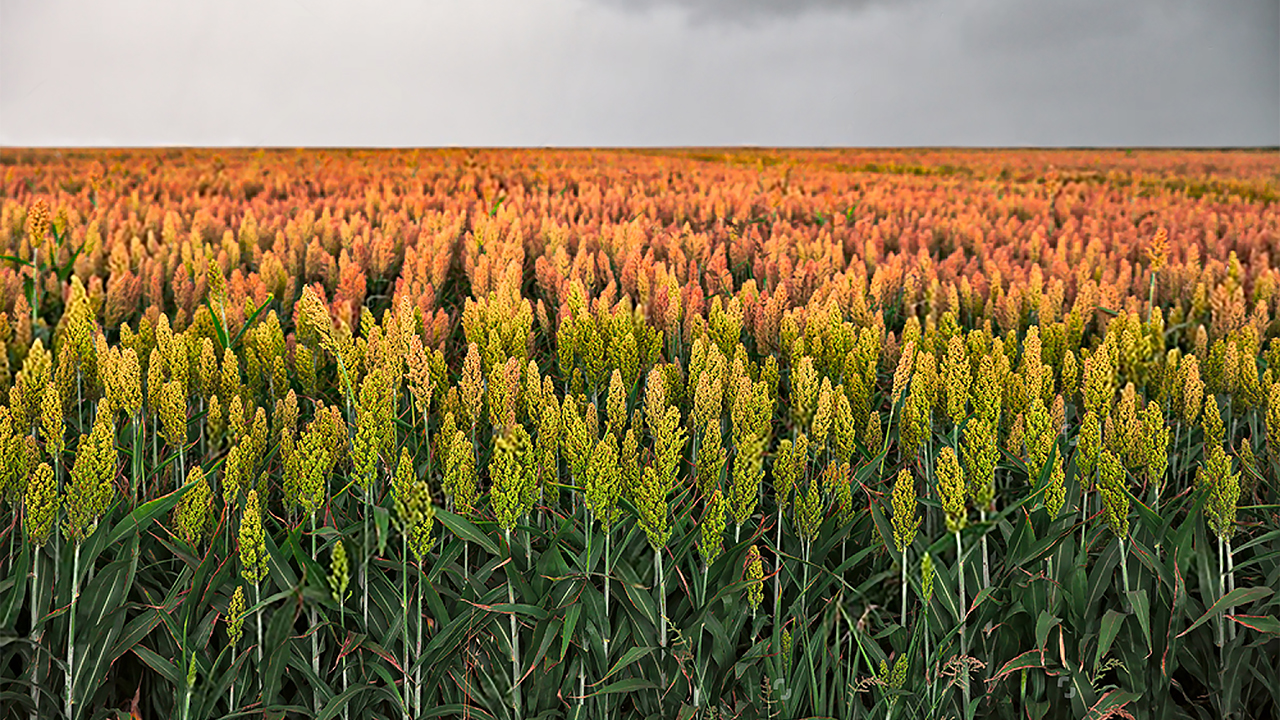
{"x":640,"y":72}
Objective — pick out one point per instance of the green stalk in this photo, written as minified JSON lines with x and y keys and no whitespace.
{"x":71,"y":631}
{"x":850,"y":673}
{"x":257,"y":618}
{"x":315,"y":642}
{"x":964,"y":643}
{"x":903,"y":565}
{"x":404,"y":602}
{"x":986,"y":562}
{"x":928,"y":657}
{"x":1188,"y":449}
{"x":606,"y":595}
{"x":136,"y":460}
{"x":777,"y":577}
{"x":35,"y":286}
{"x":1151,"y":296}
{"x":364,"y":562}
{"x":1222,"y":591}
{"x":515,"y":641}
{"x":36,"y":637}
{"x":701,"y":669}
{"x":586,"y":575}
{"x":1084,"y":513}
{"x":662,"y":601}
{"x":1231,"y":416}
{"x":1231,"y":586}
{"x":186,"y":690}
{"x":1124,"y":568}
{"x":342,"y":624}
{"x":417,"y":671}
{"x":804,"y":585}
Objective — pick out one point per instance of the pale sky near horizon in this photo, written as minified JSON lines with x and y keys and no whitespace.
{"x":640,"y":72}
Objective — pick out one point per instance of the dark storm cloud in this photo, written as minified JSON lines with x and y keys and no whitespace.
{"x":641,"y":72}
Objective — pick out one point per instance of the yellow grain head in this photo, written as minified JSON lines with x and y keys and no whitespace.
{"x":981,"y":450}
{"x":253,"y":543}
{"x":1155,"y":446}
{"x":754,"y":575}
{"x":905,"y":521}
{"x":1192,"y":388}
{"x":1099,"y":383}
{"x":472,"y":387}
{"x":52,"y":426}
{"x":1158,"y":250}
{"x":339,"y":572}
{"x":41,"y":503}
{"x":1055,"y":493}
{"x":1211,"y":422}
{"x":809,"y":512}
{"x":804,"y":392}
{"x":1112,"y":486}
{"x":951,"y":489}
{"x":710,"y":542}
{"x":1039,"y":437}
{"x":38,"y":217}
{"x":956,"y":379}
{"x":1273,"y":421}
{"x":235,"y":616}
{"x":90,"y":490}
{"x":193,"y":517}
{"x":604,"y":482}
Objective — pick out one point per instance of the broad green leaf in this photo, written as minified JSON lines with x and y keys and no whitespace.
{"x":626,"y":685}
{"x":1110,"y":626}
{"x":17,"y":588}
{"x":1266,"y":624}
{"x":1239,"y":596}
{"x":1044,"y":624}
{"x":570,"y":622}
{"x":1029,"y":659}
{"x":630,"y":656}
{"x":1110,"y":704}
{"x":1142,"y":608}
{"x":463,"y":528}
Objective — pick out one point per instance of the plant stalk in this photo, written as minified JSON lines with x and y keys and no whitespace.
{"x":404,"y":602}
{"x":364,"y":561}
{"x":1231,"y":586}
{"x":315,"y":642}
{"x":586,"y":580}
{"x":36,"y":636}
{"x":662,"y":601}
{"x":257,"y":617}
{"x":1124,"y":567}
{"x":964,"y":613}
{"x":777,"y":574}
{"x":1222,"y":591}
{"x":515,"y":640}
{"x":71,"y":632}
{"x":986,"y":561}
{"x":606,"y":595}
{"x":903,"y":564}
{"x":417,"y":671}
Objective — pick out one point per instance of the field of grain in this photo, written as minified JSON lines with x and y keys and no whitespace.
{"x":639,"y":434}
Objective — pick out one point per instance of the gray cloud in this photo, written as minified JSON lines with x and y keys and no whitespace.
{"x":748,"y":11}
{"x":644,"y":72}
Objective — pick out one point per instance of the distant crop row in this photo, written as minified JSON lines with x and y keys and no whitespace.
{"x":655,"y":434}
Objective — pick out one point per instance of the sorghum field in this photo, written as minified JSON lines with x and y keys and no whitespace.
{"x":659,"y":434}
